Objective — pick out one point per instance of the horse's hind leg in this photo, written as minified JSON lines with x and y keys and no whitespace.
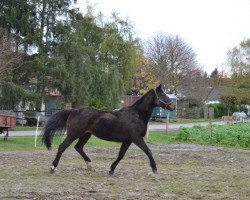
{"x":124,"y":147}
{"x":142,"y":145}
{"x":62,"y":147}
{"x":79,"y":148}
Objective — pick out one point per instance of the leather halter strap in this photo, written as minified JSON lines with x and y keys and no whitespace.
{"x":166,"y":103}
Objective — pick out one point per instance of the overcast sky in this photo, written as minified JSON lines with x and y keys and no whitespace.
{"x":210,"y":27}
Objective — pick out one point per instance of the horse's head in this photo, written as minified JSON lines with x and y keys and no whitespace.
{"x":163,"y":99}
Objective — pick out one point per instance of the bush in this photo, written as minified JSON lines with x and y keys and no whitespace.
{"x":235,"y":135}
{"x":221,"y":109}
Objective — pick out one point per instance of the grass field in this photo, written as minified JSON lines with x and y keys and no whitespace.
{"x":28,"y":142}
{"x":230,"y":135}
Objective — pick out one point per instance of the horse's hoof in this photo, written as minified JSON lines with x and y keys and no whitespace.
{"x":52,"y":169}
{"x":88,"y":166}
{"x":111,"y":173}
{"x":155,"y":171}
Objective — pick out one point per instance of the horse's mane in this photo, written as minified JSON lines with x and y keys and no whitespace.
{"x":143,"y":100}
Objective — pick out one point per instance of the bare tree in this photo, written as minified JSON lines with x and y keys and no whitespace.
{"x":239,"y":62}
{"x":171,"y":59}
{"x":195,"y":86}
{"x":9,"y":53}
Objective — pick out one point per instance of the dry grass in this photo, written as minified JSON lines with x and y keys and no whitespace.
{"x":185,"y":172}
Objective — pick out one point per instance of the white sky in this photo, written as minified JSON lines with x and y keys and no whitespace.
{"x":210,"y":27}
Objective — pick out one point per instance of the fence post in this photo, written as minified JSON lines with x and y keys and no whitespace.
{"x":167,"y":121}
{"x":211,"y":131}
{"x":37,"y":125}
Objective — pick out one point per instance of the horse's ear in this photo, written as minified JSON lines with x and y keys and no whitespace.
{"x":159,"y":88}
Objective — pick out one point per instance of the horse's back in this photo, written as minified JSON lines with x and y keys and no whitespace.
{"x":117,"y":126}
{"x":81,"y":119}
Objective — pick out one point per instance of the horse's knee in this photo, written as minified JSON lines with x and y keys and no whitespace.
{"x":148,"y":151}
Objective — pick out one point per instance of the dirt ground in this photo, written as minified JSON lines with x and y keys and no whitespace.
{"x":185,"y":172}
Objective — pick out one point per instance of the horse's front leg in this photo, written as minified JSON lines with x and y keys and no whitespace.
{"x":142,"y":145}
{"x":124,"y":147}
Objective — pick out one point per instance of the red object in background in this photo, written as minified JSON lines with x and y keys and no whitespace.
{"x":7,"y":120}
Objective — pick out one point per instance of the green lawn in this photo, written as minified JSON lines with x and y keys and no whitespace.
{"x":28,"y":142}
{"x":230,"y":135}
{"x":26,"y":128}
{"x":184,"y":121}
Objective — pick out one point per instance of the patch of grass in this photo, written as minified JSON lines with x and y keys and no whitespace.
{"x":183,"y":120}
{"x":28,"y":143}
{"x":17,"y":143}
{"x":14,"y":143}
{"x":231,"y":135}
{"x":162,"y":136}
{"x":25,"y":128}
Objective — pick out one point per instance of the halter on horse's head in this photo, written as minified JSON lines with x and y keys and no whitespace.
{"x":163,"y":99}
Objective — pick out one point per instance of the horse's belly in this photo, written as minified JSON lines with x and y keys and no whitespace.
{"x":111,"y":131}
{"x":110,"y":137}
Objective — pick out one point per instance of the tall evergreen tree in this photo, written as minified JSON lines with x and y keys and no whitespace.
{"x":89,"y":62}
{"x":215,"y":73}
{"x":38,"y":24}
{"x":96,"y":62}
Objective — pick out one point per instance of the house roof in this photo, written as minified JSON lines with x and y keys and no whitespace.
{"x":210,"y":94}
{"x":215,"y":93}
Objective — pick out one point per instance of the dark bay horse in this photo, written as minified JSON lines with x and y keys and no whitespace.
{"x":128,"y":125}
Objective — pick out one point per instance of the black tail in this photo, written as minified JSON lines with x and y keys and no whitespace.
{"x":56,"y":125}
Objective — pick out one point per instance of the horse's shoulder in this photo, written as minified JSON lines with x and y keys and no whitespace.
{"x":108,"y":115}
{"x":127,"y":113}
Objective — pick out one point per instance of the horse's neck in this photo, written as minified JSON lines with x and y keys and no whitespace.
{"x":145,"y":106}
{"x":146,"y":115}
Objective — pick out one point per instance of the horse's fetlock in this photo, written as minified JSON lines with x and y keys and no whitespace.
{"x":111,"y":172}
{"x":155,"y":171}
{"x":89,"y":167}
{"x":52,"y":169}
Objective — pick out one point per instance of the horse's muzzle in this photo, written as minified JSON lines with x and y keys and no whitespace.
{"x":170,"y":106}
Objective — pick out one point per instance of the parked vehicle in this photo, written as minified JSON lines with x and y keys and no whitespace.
{"x":241,"y":115}
{"x":7,"y":120}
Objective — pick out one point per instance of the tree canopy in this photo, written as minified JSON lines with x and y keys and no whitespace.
{"x":239,"y":61}
{"x":96,"y":62}
{"x":170,"y":58}
{"x":87,"y":59}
